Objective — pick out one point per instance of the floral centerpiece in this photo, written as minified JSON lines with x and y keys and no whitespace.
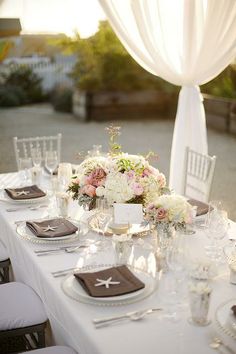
{"x":170,"y":210}
{"x":118,"y":177}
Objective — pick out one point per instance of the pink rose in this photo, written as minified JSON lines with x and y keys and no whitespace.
{"x":96,"y":178}
{"x":161,"y":214}
{"x":89,"y":190}
{"x":130,"y":174}
{"x":146,"y":172}
{"x":161,"y":180}
{"x":137,"y":188}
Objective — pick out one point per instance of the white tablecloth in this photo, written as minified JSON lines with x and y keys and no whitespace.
{"x":71,"y":321}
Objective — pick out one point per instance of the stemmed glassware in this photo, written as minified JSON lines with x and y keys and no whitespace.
{"x":217,"y":229}
{"x":36,"y":157}
{"x":51,"y":161}
{"x":64,"y":175}
{"x":176,"y":258}
{"x":24,"y":167}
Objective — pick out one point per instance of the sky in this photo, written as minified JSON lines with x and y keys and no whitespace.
{"x":55,"y":16}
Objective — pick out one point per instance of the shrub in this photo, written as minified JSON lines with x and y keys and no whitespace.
{"x":61,"y":99}
{"x":12,"y":96}
{"x":22,"y":85}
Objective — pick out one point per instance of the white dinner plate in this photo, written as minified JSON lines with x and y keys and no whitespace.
{"x":28,"y":235}
{"x":73,"y":289}
{"x":4,"y":197}
{"x":225,"y":320}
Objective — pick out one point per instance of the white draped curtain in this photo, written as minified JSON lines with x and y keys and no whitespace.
{"x":185,"y":42}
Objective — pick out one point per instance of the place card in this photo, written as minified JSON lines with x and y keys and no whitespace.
{"x":128,"y":213}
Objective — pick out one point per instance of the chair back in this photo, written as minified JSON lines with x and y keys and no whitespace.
{"x":23,"y":147}
{"x":198,"y":175}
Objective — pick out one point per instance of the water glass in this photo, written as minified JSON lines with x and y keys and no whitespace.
{"x":122,"y":246}
{"x":25,"y":165}
{"x":63,"y":200}
{"x":36,"y":157}
{"x":199,"y":302}
{"x":36,"y":173}
{"x":64,"y":175}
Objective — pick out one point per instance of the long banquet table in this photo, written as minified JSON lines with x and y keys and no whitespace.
{"x":71,"y":321}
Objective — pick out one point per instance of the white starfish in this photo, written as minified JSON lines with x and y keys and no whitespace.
{"x":22,"y":193}
{"x":106,"y":283}
{"x":50,"y":228}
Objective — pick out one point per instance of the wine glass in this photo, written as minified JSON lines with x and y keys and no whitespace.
{"x":51,"y":161}
{"x":36,"y":157}
{"x":24,"y":168}
{"x":218,"y":226}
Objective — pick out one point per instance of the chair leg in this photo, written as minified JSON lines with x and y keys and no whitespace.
{"x":41,"y":339}
{"x":6,"y":275}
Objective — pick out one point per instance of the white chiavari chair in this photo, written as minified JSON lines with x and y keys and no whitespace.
{"x":198,"y":175}
{"x":23,"y":146}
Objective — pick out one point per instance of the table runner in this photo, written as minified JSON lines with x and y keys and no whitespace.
{"x":71,"y":321}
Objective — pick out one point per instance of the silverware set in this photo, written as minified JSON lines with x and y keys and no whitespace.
{"x":36,"y":207}
{"x":68,"y":249}
{"x":132,"y":316}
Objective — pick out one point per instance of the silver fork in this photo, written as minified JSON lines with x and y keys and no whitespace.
{"x":70,"y":249}
{"x":133,"y":316}
{"x":27,"y":208}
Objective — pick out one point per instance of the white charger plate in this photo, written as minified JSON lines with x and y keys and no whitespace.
{"x":72,"y":288}
{"x":4,"y":197}
{"x":25,"y":233}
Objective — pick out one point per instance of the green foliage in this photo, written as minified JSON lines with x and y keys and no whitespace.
{"x":11,"y":96}
{"x":20,"y":86}
{"x":224,"y":85}
{"x":62,"y":99}
{"x":104,"y":64}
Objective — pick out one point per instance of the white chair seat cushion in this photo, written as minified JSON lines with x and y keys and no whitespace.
{"x":20,"y":307}
{"x":52,"y":350}
{"x":3,"y":252}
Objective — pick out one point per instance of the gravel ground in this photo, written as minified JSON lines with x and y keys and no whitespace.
{"x":137,"y":137}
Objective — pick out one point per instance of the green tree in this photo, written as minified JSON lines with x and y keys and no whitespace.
{"x":104,"y":64}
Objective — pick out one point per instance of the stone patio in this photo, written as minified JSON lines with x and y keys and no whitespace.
{"x":137,"y":137}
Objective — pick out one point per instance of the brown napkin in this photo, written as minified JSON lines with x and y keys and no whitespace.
{"x":202,"y":208}
{"x":233,"y":308}
{"x":29,"y":192}
{"x":128,"y":283}
{"x":56,"y":228}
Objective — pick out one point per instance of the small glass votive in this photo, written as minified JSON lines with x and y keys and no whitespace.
{"x":199,"y":301}
{"x":122,"y":246}
{"x":36,"y":173}
{"x":63,"y":204}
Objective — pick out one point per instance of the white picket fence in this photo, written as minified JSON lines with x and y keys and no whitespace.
{"x":52,"y":74}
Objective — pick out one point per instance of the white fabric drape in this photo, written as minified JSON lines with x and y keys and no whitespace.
{"x":185,"y":42}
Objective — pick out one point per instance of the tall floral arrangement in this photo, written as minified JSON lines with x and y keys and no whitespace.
{"x":118,"y":177}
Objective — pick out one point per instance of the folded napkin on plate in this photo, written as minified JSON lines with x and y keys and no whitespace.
{"x":202,"y":208}
{"x":30,"y":192}
{"x":52,"y":228}
{"x":109,"y":282}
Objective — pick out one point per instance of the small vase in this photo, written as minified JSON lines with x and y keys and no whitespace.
{"x":165,"y":235}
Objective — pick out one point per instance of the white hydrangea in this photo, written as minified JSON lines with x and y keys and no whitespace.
{"x":118,"y":189}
